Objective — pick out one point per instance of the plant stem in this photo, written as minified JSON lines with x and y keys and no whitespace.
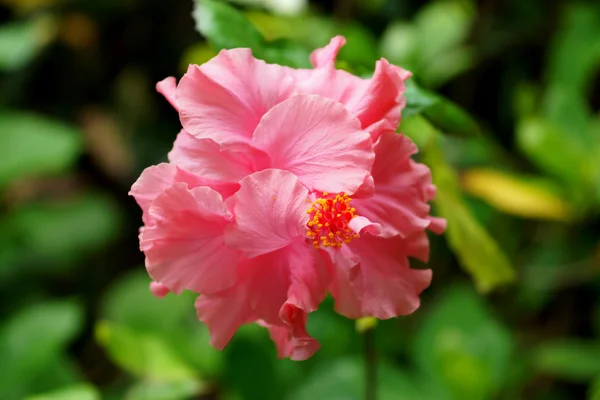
{"x":370,"y":364}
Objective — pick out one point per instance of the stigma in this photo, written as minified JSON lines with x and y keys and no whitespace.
{"x":328,"y":221}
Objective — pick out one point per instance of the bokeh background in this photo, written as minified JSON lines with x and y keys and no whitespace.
{"x":504,"y":105}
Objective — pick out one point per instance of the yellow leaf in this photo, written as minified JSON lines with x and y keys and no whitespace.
{"x":517,"y":196}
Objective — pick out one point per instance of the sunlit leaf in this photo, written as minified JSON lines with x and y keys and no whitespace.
{"x":75,"y":392}
{"x":183,"y":390}
{"x":33,"y":145}
{"x":461,"y":347}
{"x":172,"y":318}
{"x":21,"y":42}
{"x":399,"y":44}
{"x":569,"y":359}
{"x":441,"y":25}
{"x":225,"y":27}
{"x":524,"y":197}
{"x":552,"y":150}
{"x":32,"y":340}
{"x":142,"y":355}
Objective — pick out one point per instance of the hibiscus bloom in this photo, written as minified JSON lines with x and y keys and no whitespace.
{"x":285,"y":185}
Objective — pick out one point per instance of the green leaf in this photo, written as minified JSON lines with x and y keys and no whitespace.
{"x":594,"y":390}
{"x":165,"y":390}
{"x":442,"y":113}
{"x":573,"y":62}
{"x":399,"y":44}
{"x":172,"y":318}
{"x":31,"y":340}
{"x":361,"y":46}
{"x":440,"y":28}
{"x":344,"y":379}
{"x":21,"y":42}
{"x":143,"y":355}
{"x":569,"y":359}
{"x":477,"y":251}
{"x":442,"y":25}
{"x":63,"y":231}
{"x":575,"y":54}
{"x":32,"y":145}
{"x":226,"y":28}
{"x":461,"y":347}
{"x":552,"y":150}
{"x":75,"y":392}
{"x":287,"y":52}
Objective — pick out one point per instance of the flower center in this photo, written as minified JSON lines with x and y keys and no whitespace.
{"x":328,"y":222}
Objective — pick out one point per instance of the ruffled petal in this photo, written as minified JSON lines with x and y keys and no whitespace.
{"x":277,"y":290}
{"x":225,"y":98}
{"x":223,"y":313}
{"x":373,"y":278}
{"x":319,"y":141}
{"x":377,"y":102}
{"x":185,"y":247}
{"x":324,"y":56}
{"x":205,"y":157}
{"x":167,"y":87}
{"x":293,"y":341}
{"x":156,"y":179}
{"x":402,"y":189}
{"x":270,"y":212}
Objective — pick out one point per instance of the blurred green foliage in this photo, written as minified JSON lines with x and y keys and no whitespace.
{"x":503,"y":105}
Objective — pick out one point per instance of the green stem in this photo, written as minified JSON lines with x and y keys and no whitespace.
{"x":370,"y":364}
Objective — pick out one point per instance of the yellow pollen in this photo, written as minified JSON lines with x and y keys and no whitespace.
{"x":328,"y":221}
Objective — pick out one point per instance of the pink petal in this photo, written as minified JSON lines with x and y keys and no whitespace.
{"x":319,"y":141}
{"x":167,"y":88}
{"x":321,"y":57}
{"x":270,"y":212}
{"x":225,"y":98}
{"x":402,"y":189}
{"x":381,"y":284}
{"x":437,"y":225}
{"x":204,"y":157}
{"x":223,"y":313}
{"x":156,"y":179}
{"x":277,"y":290}
{"x":377,"y":102}
{"x":158,"y":289}
{"x":185,"y":248}
{"x":293,"y":341}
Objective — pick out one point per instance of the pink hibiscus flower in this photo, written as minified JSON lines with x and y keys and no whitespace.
{"x":284,"y":185}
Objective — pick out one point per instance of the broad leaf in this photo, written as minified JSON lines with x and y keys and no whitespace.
{"x":225,"y":27}
{"x":143,"y":355}
{"x":461,"y":347}
{"x":33,"y":145}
